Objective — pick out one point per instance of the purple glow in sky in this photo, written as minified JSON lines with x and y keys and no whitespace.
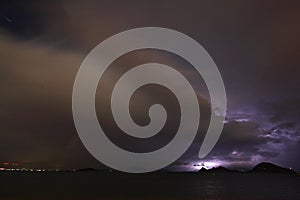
{"x":255,"y":45}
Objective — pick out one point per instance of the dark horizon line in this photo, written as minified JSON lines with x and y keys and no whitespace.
{"x":263,"y":167}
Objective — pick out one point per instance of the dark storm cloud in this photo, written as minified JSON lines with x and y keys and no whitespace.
{"x":245,"y":144}
{"x":255,"y":45}
{"x":36,"y":119}
{"x":287,"y":109}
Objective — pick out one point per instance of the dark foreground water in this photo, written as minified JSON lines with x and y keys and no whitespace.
{"x":99,"y":185}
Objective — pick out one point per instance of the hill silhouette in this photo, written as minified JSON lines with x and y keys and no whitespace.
{"x":271,"y":168}
{"x":263,"y":167}
{"x":215,"y":170}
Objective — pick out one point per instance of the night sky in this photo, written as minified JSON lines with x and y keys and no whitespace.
{"x":255,"y":45}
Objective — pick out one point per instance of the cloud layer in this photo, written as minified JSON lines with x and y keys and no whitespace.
{"x":255,"y":45}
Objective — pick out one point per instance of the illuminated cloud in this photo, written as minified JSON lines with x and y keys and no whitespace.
{"x":255,"y":46}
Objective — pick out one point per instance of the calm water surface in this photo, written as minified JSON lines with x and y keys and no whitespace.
{"x":98,"y":185}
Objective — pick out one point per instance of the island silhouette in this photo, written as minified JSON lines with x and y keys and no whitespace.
{"x":264,"y":181}
{"x":264,"y":167}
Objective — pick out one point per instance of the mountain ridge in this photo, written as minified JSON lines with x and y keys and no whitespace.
{"x":264,"y":167}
